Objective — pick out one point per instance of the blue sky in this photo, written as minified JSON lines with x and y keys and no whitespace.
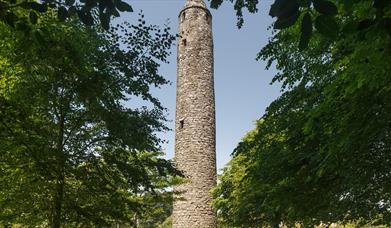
{"x":242,"y":85}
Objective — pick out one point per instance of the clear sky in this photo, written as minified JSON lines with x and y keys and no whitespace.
{"x":242,"y":85}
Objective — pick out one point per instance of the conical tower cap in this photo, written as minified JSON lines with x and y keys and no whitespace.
{"x":191,"y":3}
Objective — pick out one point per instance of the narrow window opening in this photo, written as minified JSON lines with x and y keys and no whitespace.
{"x":183,"y":16}
{"x":207,"y":17}
{"x":181,"y":124}
{"x":184,"y":43}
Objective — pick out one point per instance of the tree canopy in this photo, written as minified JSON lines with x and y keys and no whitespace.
{"x":21,"y":14}
{"x":321,"y":153}
{"x":73,"y":152}
{"x":326,"y":16}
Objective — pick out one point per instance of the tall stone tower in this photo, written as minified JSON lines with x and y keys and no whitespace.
{"x":195,"y":138}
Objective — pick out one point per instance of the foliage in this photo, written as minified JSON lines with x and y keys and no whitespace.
{"x":21,"y":14}
{"x":167,"y":223}
{"x":322,"y":152}
{"x":232,"y":188}
{"x":72,"y":153}
{"x":324,"y":15}
{"x":158,"y":213}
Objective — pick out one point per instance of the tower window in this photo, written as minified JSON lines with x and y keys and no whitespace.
{"x":184,"y":43}
{"x":207,"y":17}
{"x":181,"y":123}
{"x":183,"y":16}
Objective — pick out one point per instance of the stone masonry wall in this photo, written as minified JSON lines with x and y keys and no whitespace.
{"x":195,"y":146}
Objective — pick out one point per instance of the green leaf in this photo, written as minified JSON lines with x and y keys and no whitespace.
{"x":25,"y":5}
{"x":86,"y":17}
{"x":11,"y":18}
{"x":72,"y":11}
{"x":42,"y":8}
{"x":305,"y":3}
{"x":214,"y":4}
{"x":62,"y":13}
{"x":22,"y":26}
{"x":306,"y":31}
{"x":3,"y":6}
{"x":33,"y":17}
{"x":325,"y":7}
{"x":284,"y":8}
{"x":39,"y":37}
{"x":348,"y":5}
{"x":123,"y":6}
{"x":327,"y":26}
{"x":285,"y":22}
{"x":350,"y":26}
{"x":114,"y":12}
{"x":104,"y":20}
{"x":69,"y":2}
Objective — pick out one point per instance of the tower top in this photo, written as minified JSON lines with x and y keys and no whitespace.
{"x":197,"y":3}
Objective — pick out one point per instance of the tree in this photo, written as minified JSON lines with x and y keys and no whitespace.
{"x":229,"y":194}
{"x":322,"y":151}
{"x":21,"y":14}
{"x":323,"y":15}
{"x":72,"y":152}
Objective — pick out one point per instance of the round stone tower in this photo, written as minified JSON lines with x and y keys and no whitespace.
{"x":195,"y":128}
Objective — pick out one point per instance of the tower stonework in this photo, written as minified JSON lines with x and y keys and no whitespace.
{"x":195,"y":128}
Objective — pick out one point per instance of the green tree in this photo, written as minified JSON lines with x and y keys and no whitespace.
{"x":232,"y":188}
{"x":322,"y":151}
{"x":159,"y":211}
{"x":322,"y":15}
{"x":21,"y":14}
{"x":72,"y":151}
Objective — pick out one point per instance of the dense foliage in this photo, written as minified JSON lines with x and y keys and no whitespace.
{"x":21,"y":14}
{"x":73,"y":152}
{"x":322,"y":151}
